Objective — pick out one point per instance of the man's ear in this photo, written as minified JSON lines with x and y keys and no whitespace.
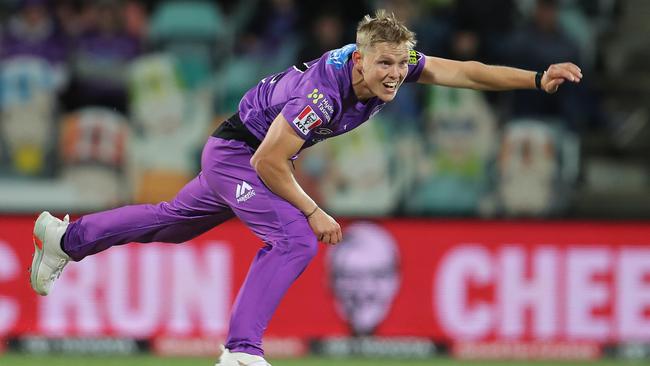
{"x":356,"y":57}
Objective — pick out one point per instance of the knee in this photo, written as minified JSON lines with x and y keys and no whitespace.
{"x":301,"y":243}
{"x":168,"y":207}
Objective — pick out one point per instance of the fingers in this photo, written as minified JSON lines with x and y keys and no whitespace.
{"x":557,"y":74}
{"x":327,"y":230}
{"x":336,"y":236}
{"x":325,"y":238}
{"x":333,"y":237}
{"x":565,"y":70}
{"x":574,"y":69}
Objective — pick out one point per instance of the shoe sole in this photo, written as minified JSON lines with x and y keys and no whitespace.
{"x":37,"y":258}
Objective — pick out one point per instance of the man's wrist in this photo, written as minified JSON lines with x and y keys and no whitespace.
{"x":308,"y":215}
{"x":538,"y":79}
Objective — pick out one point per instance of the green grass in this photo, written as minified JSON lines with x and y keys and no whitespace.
{"x":11,"y":359}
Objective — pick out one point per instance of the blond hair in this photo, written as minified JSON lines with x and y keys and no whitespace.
{"x":384,"y":27}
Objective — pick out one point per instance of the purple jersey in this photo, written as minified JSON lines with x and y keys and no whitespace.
{"x":316,"y":97}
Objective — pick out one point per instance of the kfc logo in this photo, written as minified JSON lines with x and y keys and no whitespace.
{"x":307,"y":120}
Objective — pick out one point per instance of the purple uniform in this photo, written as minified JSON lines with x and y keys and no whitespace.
{"x":316,"y":97}
{"x":318,"y":100}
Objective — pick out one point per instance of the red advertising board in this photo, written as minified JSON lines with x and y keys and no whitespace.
{"x":472,"y":281}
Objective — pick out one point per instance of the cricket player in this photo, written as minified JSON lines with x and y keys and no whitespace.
{"x":246,"y":170}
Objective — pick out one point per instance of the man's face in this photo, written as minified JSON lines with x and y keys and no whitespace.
{"x":384,"y":67}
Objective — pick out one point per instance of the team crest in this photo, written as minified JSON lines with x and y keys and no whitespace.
{"x":414,"y":57}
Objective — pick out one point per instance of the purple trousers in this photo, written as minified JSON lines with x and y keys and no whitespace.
{"x":226,"y":186}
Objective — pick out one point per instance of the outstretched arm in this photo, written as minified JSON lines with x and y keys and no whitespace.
{"x":271,"y":162}
{"x":476,"y":75}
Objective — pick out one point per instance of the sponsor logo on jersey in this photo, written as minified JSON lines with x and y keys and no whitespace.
{"x":315,"y":96}
{"x":323,"y":131}
{"x":307,"y":120}
{"x":244,"y":192}
{"x":326,"y":108}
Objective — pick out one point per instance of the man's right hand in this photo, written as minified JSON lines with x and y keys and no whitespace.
{"x":327,"y":230}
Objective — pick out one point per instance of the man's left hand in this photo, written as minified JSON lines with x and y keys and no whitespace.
{"x":557,"y":74}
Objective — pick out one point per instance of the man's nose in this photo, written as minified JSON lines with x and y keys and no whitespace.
{"x":394,"y":71}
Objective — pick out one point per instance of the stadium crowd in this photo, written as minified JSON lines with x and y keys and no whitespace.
{"x":109,"y":102}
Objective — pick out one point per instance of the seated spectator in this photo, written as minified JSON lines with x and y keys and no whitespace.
{"x":102,"y":54}
{"x":325,"y":33}
{"x":538,"y":43}
{"x":481,"y":28}
{"x":454,"y":154}
{"x":32,"y":31}
{"x":536,"y":169}
{"x":272,"y":39}
{"x":32,"y":72}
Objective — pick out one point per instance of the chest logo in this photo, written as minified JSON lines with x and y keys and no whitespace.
{"x":315,"y":96}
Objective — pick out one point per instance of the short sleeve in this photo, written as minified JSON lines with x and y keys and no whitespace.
{"x":416,"y":65}
{"x":310,"y":107}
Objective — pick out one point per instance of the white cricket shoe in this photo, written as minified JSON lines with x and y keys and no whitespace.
{"x":240,"y":359}
{"x":49,"y":259}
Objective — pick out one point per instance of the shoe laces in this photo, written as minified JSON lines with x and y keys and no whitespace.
{"x":59,"y":269}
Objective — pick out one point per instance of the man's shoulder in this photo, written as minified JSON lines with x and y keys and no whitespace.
{"x":333,"y":71}
{"x":339,"y":57}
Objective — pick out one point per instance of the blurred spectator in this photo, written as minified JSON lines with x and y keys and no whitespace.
{"x":584,"y":20}
{"x":32,"y":31}
{"x":135,"y":19}
{"x":269,"y":42}
{"x":273,"y":27}
{"x":536,"y":45}
{"x":454,"y":154}
{"x":372,"y":184}
{"x":325,"y":33}
{"x":537,"y":167}
{"x":93,"y":144}
{"x":481,"y":26}
{"x":542,"y":39}
{"x":196,"y":34}
{"x":347,"y":12}
{"x":170,"y":103}
{"x":102,"y":54}
{"x":32,"y":71}
{"x":164,"y":112}
{"x":67,"y":17}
